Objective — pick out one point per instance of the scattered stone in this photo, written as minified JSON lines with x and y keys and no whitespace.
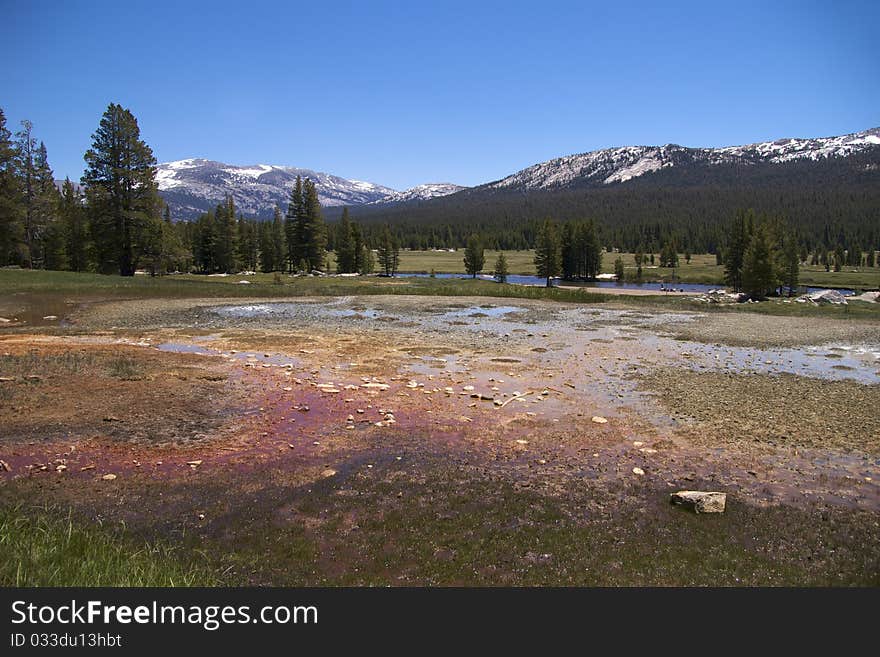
{"x":50,"y":318}
{"x":638,"y":471}
{"x":6,"y":379}
{"x":109,"y":477}
{"x":598,"y":419}
{"x":329,"y":472}
{"x":700,"y":501}
{"x":60,"y":467}
{"x":87,"y":467}
{"x":111,"y":418}
{"x":194,"y":464}
{"x":4,"y":466}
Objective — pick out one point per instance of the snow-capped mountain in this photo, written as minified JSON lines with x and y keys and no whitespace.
{"x":193,"y":186}
{"x":616,"y":165}
{"x":421,"y":193}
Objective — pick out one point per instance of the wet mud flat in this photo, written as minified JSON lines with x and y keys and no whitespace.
{"x":402,"y":440}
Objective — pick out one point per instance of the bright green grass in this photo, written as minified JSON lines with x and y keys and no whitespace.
{"x":701,"y":269}
{"x":95,"y":286}
{"x":44,"y":547}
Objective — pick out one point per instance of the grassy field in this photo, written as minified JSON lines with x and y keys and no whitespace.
{"x":702,"y":268}
{"x":84,"y":286}
{"x":46,"y":547}
{"x":19,"y":288}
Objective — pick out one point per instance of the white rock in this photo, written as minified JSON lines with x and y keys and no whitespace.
{"x":700,"y":501}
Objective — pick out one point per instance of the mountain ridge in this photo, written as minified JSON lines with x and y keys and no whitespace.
{"x":195,"y":185}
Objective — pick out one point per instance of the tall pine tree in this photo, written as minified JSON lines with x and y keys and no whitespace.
{"x":121,"y":190}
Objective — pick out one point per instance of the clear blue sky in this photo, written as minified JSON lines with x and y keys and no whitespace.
{"x":402,"y":93}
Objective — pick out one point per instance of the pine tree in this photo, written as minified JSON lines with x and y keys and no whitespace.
{"x":570,"y":251}
{"x":839,"y":257}
{"x":49,"y":241}
{"x":389,"y":252}
{"x":72,"y":214}
{"x":501,"y":273}
{"x":267,"y":249}
{"x":360,"y":250}
{"x":121,"y":190}
{"x":618,"y":269}
{"x":639,"y":258}
{"x":204,"y":243}
{"x":26,"y":148}
{"x":294,"y":225}
{"x":590,"y":250}
{"x":11,"y":199}
{"x":758,"y":275}
{"x":346,"y":249}
{"x":279,"y":240}
{"x":790,"y":264}
{"x":474,"y":256}
{"x":226,"y":234}
{"x":669,"y":254}
{"x":547,"y":255}
{"x":315,"y":232}
{"x":737,"y":241}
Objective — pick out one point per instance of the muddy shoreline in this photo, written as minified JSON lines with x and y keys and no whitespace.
{"x":327,"y":419}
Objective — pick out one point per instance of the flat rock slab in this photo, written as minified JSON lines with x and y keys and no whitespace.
{"x":699,"y":501}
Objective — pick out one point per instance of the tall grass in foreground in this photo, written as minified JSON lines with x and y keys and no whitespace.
{"x":43,"y":547}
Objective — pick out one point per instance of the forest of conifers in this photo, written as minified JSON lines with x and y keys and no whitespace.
{"x":116,"y":221}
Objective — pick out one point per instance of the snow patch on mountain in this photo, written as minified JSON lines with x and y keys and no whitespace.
{"x":195,"y":185}
{"x":616,"y":165}
{"x":421,"y":193}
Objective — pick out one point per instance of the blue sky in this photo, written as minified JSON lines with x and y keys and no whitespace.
{"x":402,"y":93}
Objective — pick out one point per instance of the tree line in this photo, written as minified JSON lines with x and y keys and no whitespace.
{"x":115,"y":220}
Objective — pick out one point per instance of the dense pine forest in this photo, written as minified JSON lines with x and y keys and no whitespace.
{"x":115,"y":221}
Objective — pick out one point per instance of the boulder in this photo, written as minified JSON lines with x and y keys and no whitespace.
{"x":700,"y":501}
{"x":825,"y":296}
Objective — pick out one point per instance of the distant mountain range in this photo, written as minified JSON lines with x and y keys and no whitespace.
{"x":193,"y":186}
{"x":619,"y":165}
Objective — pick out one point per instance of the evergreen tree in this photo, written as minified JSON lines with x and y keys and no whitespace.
{"x":547,"y":251}
{"x":758,"y":275}
{"x":790,"y":264}
{"x":267,"y":261}
{"x":474,"y":257}
{"x":26,"y":147}
{"x":11,"y":199}
{"x":839,"y":257}
{"x":226,"y":234}
{"x":639,"y":258}
{"x":389,"y":252}
{"x":48,"y":233}
{"x":669,"y":254}
{"x":294,"y":221}
{"x":870,"y":258}
{"x":618,"y":269}
{"x":346,"y":249}
{"x":571,"y":252}
{"x":360,"y":250}
{"x":204,"y":243}
{"x":501,"y":272}
{"x":314,"y":230}
{"x":72,"y":215}
{"x":247,"y":244}
{"x":591,"y":251}
{"x":738,"y":239}
{"x":279,"y":243}
{"x":121,"y":190}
